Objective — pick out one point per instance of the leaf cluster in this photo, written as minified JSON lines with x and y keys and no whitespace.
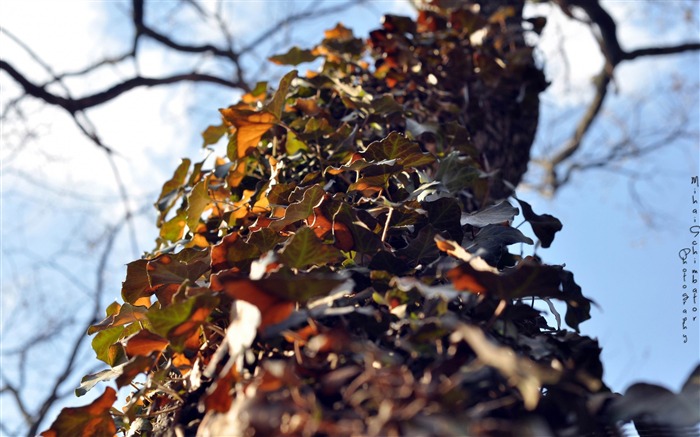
{"x":344,"y":267}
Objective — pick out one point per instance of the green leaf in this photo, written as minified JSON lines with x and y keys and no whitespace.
{"x":300,"y":287}
{"x":171,"y":187}
{"x":127,"y":314}
{"x":385,"y":105}
{"x":396,"y":146}
{"x":103,"y":344}
{"x":457,"y":172}
{"x":213,"y":134}
{"x":305,"y":249}
{"x":265,"y":239}
{"x":293,"y":145}
{"x":178,"y":321}
{"x":294,"y":57}
{"x":276,"y":105}
{"x":197,"y":202}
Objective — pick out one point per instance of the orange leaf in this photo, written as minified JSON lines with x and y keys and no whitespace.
{"x":250,"y":126}
{"x":338,"y":32}
{"x":272,"y":308}
{"x":90,"y":420}
{"x":144,"y":343}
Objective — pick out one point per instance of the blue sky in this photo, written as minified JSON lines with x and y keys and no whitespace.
{"x":59,"y":185}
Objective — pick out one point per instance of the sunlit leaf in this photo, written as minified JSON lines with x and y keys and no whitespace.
{"x":145,"y":342}
{"x":213,"y":134}
{"x":250,"y":127}
{"x":297,"y":211}
{"x":178,"y":321}
{"x":277,"y":102}
{"x":398,"y":147}
{"x":171,"y":187}
{"x":294,"y":57}
{"x":305,"y":249}
{"x":197,"y":201}
{"x":88,"y":421}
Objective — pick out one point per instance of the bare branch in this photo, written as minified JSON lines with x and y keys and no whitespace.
{"x":614,"y":55}
{"x":80,"y":104}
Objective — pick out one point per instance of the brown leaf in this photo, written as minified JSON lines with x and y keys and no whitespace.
{"x":144,"y":343}
{"x":91,"y":420}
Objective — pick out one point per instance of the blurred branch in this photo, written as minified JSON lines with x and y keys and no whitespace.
{"x":601,"y":21}
{"x":69,"y":367}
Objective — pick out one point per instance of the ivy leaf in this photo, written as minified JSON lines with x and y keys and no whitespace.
{"x":500,"y":213}
{"x":457,"y":172}
{"x":145,"y":342}
{"x":232,"y":251}
{"x":126,"y":314}
{"x":312,"y":197}
{"x":91,"y":380}
{"x":385,"y":105}
{"x":528,"y":278}
{"x":421,"y":249}
{"x":213,"y":134}
{"x":492,"y":239}
{"x":544,"y":226}
{"x":277,"y":102}
{"x":444,"y":214}
{"x":578,"y":308}
{"x":306,"y":249}
{"x":250,"y":127}
{"x":175,"y":269}
{"x":91,"y":420}
{"x":197,"y":202}
{"x":106,"y":348}
{"x":179,"y":321}
{"x":171,"y":187}
{"x":293,"y":145}
{"x":265,"y":239}
{"x":398,"y":147}
{"x":136,"y":284}
{"x":294,"y":57}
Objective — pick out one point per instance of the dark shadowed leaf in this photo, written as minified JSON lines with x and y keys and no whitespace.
{"x":421,"y":249}
{"x":444,"y":214}
{"x":457,"y":172}
{"x":500,"y":213}
{"x":491,"y":241}
{"x":136,"y":284}
{"x":544,"y":226}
